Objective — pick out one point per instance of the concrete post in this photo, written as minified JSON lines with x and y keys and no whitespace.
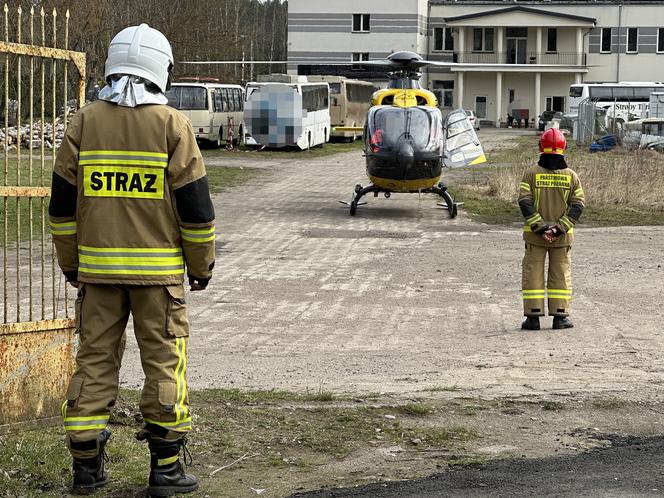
{"x":499,"y":98}
{"x":460,"y":89}
{"x":579,"y":46}
{"x":499,"y":45}
{"x":538,"y":46}
{"x":462,"y":43}
{"x":538,"y":95}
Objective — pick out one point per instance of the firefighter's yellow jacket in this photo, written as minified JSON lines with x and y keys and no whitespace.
{"x":550,"y":194}
{"x":130,"y":202}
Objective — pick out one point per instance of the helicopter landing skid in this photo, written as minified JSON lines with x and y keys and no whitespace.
{"x":441,"y":190}
{"x":360,"y":192}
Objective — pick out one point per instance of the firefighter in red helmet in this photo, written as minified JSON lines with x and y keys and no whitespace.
{"x":551,"y":200}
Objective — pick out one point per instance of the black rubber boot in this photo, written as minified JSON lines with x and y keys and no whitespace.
{"x":531,"y":323}
{"x":167,"y":475}
{"x":89,"y":473}
{"x":562,"y":322}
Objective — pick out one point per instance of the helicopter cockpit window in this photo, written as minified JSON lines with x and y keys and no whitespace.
{"x":389,"y":126}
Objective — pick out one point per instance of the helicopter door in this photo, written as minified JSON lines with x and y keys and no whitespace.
{"x":461,"y":145}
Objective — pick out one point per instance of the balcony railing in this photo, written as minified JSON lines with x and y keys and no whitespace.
{"x":558,"y":58}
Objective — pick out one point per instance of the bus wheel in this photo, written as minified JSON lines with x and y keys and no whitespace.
{"x":320,"y":145}
{"x":237,"y":140}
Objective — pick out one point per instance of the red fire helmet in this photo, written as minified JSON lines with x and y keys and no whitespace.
{"x":553,"y":141}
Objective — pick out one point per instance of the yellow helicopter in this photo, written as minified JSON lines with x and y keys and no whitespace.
{"x":406,"y":140}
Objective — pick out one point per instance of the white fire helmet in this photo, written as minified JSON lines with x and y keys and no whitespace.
{"x":141,"y":51}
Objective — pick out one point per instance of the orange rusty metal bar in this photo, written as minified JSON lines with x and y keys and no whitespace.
{"x":20,"y":191}
{"x":38,"y":326}
{"x":77,"y":58}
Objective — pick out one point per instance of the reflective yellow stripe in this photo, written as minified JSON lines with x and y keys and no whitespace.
{"x":550,"y":150}
{"x":130,"y":261}
{"x":525,"y":186}
{"x":87,"y":153}
{"x":198,"y":235}
{"x":86,"y":419}
{"x":129,"y":162}
{"x":65,"y":228}
{"x":165,"y":250}
{"x":184,"y":425}
{"x":533,"y":294}
{"x":579,"y":192}
{"x":85,"y":423}
{"x":181,"y":410}
{"x":534,"y":218}
{"x":167,"y":461}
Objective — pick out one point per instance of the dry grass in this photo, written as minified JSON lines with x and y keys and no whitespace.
{"x":622,"y":187}
{"x":618,"y":177}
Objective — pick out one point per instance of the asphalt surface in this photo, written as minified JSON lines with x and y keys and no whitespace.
{"x":632,"y":467}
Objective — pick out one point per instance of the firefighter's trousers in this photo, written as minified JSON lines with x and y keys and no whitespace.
{"x":558,"y":286}
{"x":161,"y":329}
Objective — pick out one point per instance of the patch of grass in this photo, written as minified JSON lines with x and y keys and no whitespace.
{"x":441,"y":388}
{"x":221,"y":177}
{"x":416,"y":409}
{"x":279,"y":433}
{"x":467,"y":462}
{"x":552,"y":405}
{"x":287,"y":153}
{"x":253,"y":397}
{"x":608,"y":403}
{"x":432,"y":437}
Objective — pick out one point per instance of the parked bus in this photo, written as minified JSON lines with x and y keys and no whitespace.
{"x":215,"y":109}
{"x":624,"y":101}
{"x":287,"y":114}
{"x":349,"y":103}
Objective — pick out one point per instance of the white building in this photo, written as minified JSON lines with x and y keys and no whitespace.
{"x":510,"y":54}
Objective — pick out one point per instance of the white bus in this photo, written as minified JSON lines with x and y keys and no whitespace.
{"x":215,"y":109}
{"x":350,"y":101}
{"x":624,"y":101}
{"x":287,"y":114}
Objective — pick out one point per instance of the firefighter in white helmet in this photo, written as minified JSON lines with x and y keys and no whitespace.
{"x":130,"y":213}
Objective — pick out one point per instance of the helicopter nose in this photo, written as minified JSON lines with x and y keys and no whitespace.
{"x":406,"y":155}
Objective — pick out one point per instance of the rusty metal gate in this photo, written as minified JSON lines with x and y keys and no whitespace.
{"x":37,"y":331}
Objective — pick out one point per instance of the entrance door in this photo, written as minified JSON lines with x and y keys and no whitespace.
{"x":480,"y":107}
{"x":516,"y":50}
{"x":556,"y":104}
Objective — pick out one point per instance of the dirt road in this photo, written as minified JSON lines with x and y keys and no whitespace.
{"x":400,"y":298}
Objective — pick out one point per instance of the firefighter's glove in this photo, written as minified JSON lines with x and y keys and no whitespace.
{"x":198,"y":284}
{"x":72,"y":277}
{"x":539,"y":228}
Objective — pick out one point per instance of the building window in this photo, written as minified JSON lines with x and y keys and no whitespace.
{"x":511,"y":99}
{"x":606,"y":40}
{"x":444,"y":91}
{"x":482,"y":39}
{"x":361,"y":23}
{"x":552,"y":40}
{"x":360,"y":56}
{"x":443,"y":39}
{"x":632,"y":40}
{"x":660,"y":40}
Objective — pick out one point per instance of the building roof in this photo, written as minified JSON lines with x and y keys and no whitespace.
{"x":520,"y":8}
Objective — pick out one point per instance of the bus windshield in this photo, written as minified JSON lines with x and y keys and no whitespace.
{"x":575,"y":91}
{"x":187,"y":98}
